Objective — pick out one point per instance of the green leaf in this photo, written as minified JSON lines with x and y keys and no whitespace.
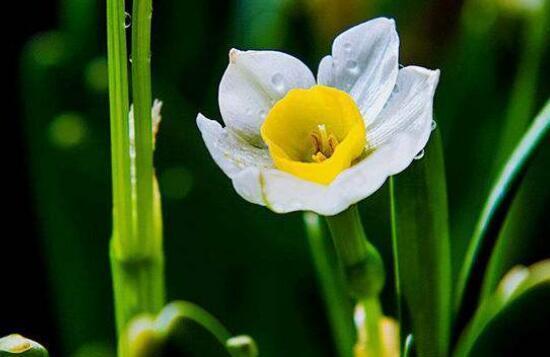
{"x":421,"y":249}
{"x":147,"y":335}
{"x":497,"y":204}
{"x":519,"y":240}
{"x":17,"y":345}
{"x":514,"y":288}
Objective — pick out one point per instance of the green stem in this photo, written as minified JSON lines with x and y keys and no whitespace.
{"x":331,"y":286}
{"x":363,"y":271}
{"x":136,"y":245}
{"x":141,"y":92}
{"x":373,"y":316}
{"x":362,"y":264}
{"x":120,"y":142}
{"x":138,"y":286}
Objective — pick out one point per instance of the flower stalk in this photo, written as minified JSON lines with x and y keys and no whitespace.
{"x":136,"y":246}
{"x":364,"y":274}
{"x":331,"y":284}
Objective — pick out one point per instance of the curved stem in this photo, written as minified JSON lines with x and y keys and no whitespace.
{"x":363,"y":271}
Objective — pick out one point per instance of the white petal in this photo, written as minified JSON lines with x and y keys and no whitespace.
{"x":252,"y":83}
{"x":364,"y":64}
{"x":230,"y":152}
{"x":282,"y":192}
{"x":408,"y":113}
{"x":325,"y":73}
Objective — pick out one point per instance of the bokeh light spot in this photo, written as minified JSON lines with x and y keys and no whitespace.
{"x":67,"y":130}
{"x":95,"y":75}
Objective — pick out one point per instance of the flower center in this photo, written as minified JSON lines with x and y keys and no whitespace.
{"x":324,"y":144}
{"x":314,"y":133}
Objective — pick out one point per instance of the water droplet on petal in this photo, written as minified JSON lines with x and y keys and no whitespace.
{"x":278,"y":82}
{"x":127,"y":20}
{"x":352,"y":67}
{"x":420,"y":155}
{"x":262,"y":113}
{"x":434,"y":125}
{"x":347,"y":47}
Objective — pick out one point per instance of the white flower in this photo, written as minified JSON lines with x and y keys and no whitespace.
{"x":276,"y":147}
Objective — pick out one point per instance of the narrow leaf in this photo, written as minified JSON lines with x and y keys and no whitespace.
{"x":421,"y":248}
{"x":515,"y":288}
{"x":149,"y":335}
{"x":496,"y":207}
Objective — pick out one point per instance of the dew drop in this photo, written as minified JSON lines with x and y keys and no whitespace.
{"x":396,"y":89}
{"x":127,"y":20}
{"x":352,"y":67}
{"x":420,"y":155}
{"x":278,"y":82}
{"x":434,"y":125}
{"x":130,"y":59}
{"x":347,"y":47}
{"x":262,"y":113}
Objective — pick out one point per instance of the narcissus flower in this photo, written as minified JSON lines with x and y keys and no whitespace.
{"x":292,"y":143}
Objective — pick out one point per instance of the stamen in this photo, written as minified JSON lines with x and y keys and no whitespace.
{"x":332,"y":142}
{"x":319,"y":157}
{"x":324,"y":144}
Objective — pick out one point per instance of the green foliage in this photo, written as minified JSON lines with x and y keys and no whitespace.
{"x":251,"y":267}
{"x":514,"y":289}
{"x":160,"y":335}
{"x":421,"y":248}
{"x":498,"y":202}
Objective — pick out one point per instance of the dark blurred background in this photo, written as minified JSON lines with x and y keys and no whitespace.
{"x":244,"y":264}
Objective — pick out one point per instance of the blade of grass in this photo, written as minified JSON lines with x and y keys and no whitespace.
{"x":496,"y":207}
{"x":421,"y":249}
{"x":519,"y":240}
{"x":507,"y":250}
{"x":515,"y":287}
